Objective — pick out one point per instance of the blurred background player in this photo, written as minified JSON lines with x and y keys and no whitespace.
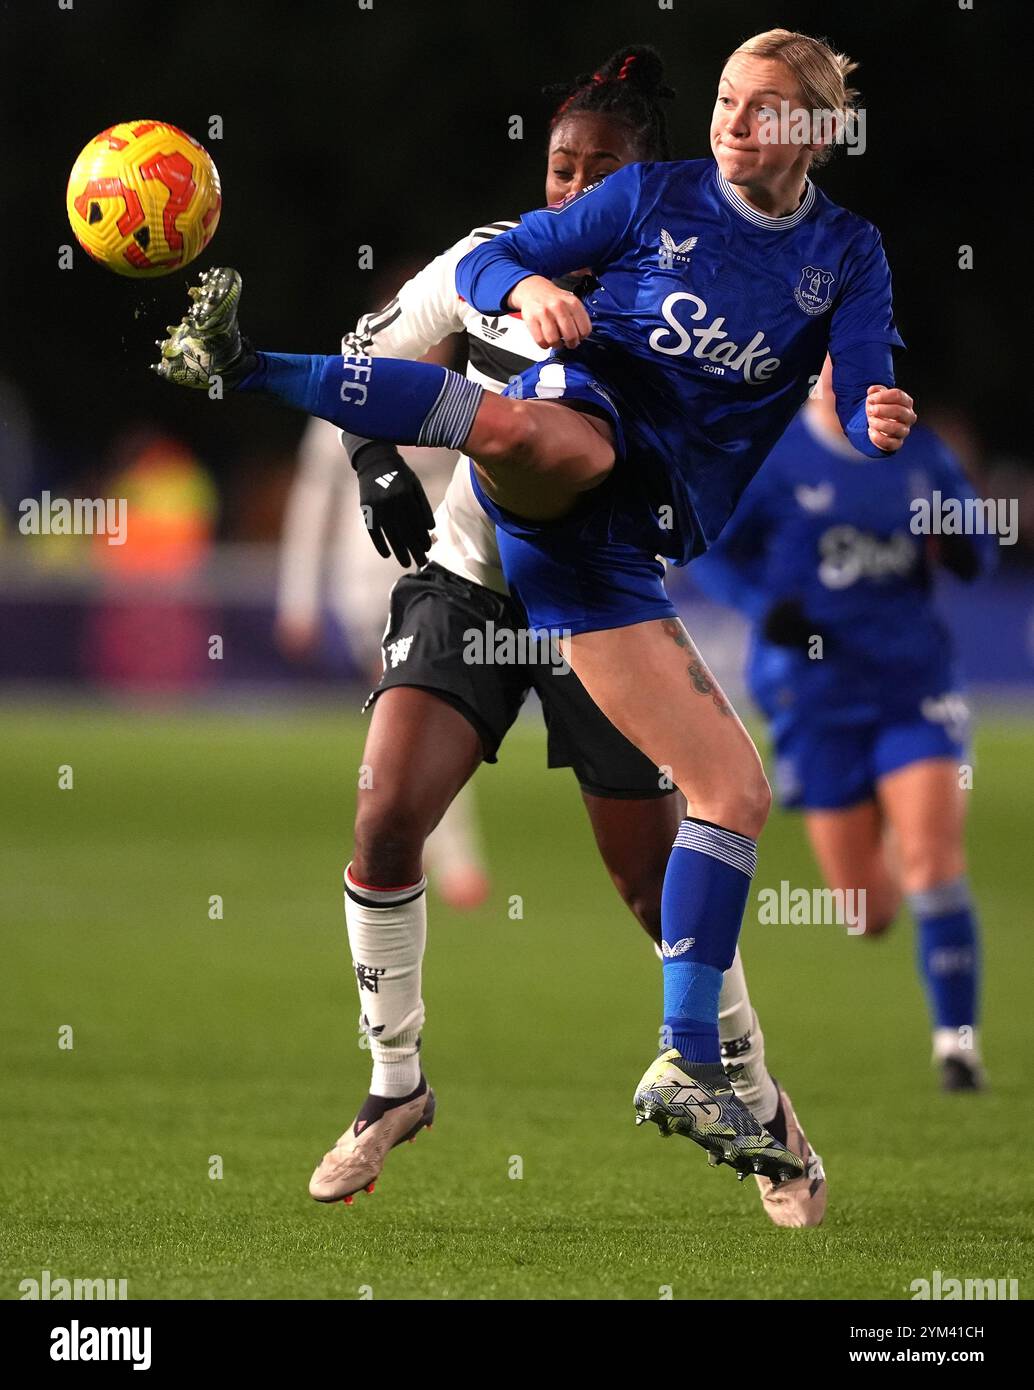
{"x":435,"y":717}
{"x":146,"y":632}
{"x":855,"y":673}
{"x":328,"y":563}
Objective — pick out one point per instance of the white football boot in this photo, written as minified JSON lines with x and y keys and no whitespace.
{"x":355,"y":1162}
{"x":801,"y":1201}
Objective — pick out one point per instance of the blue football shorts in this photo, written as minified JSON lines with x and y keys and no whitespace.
{"x":825,"y":767}
{"x":594,"y":568}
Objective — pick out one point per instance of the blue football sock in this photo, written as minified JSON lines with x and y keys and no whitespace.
{"x":705,"y":893}
{"x":948,"y":952}
{"x":376,"y":397}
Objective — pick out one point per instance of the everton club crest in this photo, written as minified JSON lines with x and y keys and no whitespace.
{"x":814,"y":292}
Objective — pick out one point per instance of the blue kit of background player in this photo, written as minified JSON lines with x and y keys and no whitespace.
{"x":821,"y":546}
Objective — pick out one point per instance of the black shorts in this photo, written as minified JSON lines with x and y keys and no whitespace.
{"x":470,"y":647}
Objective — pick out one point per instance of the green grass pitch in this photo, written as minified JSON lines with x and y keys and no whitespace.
{"x":238,"y":1038}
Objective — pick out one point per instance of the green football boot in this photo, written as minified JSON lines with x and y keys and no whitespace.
{"x":207,"y":342}
{"x":696,"y":1100}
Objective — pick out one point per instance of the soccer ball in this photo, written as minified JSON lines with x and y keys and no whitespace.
{"x":143,"y":198}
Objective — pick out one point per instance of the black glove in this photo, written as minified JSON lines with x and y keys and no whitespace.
{"x":397,"y":513}
{"x":955,"y":553}
{"x":787,"y":625}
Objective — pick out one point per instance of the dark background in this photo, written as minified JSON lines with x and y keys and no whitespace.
{"x":388,"y":127}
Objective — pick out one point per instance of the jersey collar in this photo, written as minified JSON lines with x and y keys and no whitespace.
{"x":760,"y":219}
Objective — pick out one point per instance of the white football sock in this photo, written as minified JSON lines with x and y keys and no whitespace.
{"x":387,"y":931}
{"x":454,"y":843}
{"x":743,"y":1044}
{"x":957,"y":1042}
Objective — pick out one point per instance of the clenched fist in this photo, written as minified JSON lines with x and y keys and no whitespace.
{"x":890,"y":416}
{"x":554,"y":317}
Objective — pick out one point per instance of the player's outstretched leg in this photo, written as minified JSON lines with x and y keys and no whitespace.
{"x":207,"y":342}
{"x":545,"y":453}
{"x":397,"y":400}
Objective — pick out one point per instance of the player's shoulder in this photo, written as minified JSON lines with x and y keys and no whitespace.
{"x":485,"y":231}
{"x":480,"y":235}
{"x":659,"y":173}
{"x":661,"y":186}
{"x":675,"y":168}
{"x":849,"y":227}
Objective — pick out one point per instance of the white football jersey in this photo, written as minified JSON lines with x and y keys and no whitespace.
{"x":426,"y":310}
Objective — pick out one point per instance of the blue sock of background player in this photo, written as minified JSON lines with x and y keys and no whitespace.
{"x":948,"y":954}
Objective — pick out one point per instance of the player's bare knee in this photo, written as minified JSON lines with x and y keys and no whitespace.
{"x":525,"y":437}
{"x":926,"y":864}
{"x":512,"y":438}
{"x":388,"y":845}
{"x":742,"y":808}
{"x":750,"y":805}
{"x":757,"y":804}
{"x":387,"y":862}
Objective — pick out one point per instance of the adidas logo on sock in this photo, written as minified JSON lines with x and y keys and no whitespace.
{"x":386,"y":479}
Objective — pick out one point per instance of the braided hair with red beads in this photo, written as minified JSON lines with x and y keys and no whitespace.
{"x":629,"y":87}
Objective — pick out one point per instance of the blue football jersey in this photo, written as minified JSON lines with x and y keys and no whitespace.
{"x":831,"y":529}
{"x":710,"y":323}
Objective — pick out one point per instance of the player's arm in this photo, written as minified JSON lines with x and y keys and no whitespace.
{"x":737,"y":571}
{"x":732,"y":570}
{"x":425,"y":311}
{"x":876,"y":415}
{"x":303,"y":540}
{"x":516,"y":270}
{"x":967,"y":557}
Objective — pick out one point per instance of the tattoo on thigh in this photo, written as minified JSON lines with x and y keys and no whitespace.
{"x":703,"y":682}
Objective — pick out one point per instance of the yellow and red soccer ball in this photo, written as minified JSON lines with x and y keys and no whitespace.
{"x":144,"y":198}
